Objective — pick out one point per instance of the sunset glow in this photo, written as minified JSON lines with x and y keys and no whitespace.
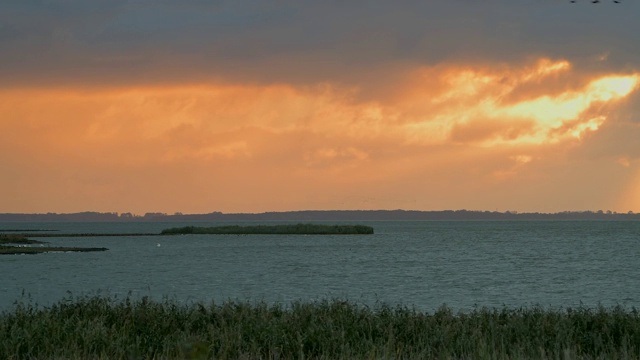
{"x":338,"y":123}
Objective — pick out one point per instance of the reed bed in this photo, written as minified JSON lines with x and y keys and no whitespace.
{"x":17,"y":239}
{"x":281,"y":229}
{"x":107,"y":328}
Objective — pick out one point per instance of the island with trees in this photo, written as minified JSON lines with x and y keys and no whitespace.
{"x":281,"y":229}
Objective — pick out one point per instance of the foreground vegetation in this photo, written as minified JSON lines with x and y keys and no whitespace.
{"x":298,"y":229}
{"x":98,"y":327}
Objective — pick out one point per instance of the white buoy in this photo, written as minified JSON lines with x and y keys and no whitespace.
{"x":158,"y":245}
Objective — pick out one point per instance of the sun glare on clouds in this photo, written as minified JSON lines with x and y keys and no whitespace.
{"x":476,"y":105}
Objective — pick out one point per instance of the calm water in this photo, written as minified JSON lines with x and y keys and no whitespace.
{"x":421,"y":264}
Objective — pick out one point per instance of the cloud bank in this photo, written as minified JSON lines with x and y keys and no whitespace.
{"x":241,"y":106}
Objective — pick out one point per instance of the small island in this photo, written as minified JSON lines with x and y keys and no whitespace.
{"x":8,"y":242}
{"x":290,"y":229}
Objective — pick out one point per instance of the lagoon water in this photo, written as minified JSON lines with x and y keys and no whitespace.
{"x":414,"y":263}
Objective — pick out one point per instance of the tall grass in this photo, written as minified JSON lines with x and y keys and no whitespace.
{"x":99,"y":327}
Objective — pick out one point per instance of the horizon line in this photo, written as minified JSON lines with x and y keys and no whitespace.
{"x":178,"y":213}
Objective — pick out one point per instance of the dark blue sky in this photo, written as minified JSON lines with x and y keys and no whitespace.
{"x":156,"y":41}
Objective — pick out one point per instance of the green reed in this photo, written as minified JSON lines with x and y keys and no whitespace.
{"x":102,"y":327}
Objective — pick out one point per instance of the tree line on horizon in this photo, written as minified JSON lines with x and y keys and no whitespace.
{"x":322,"y":215}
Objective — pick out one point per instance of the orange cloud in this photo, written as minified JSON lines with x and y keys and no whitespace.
{"x":472,"y":106}
{"x":444,"y":137}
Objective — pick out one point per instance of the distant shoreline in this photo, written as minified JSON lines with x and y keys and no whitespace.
{"x":323,"y":215}
{"x":12,"y":243}
{"x":11,"y":250}
{"x":19,"y":244}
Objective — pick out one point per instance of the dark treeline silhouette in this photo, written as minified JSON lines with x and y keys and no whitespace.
{"x":321,"y":215}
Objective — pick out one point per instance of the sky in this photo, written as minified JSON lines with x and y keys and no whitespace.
{"x":197,"y":106}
